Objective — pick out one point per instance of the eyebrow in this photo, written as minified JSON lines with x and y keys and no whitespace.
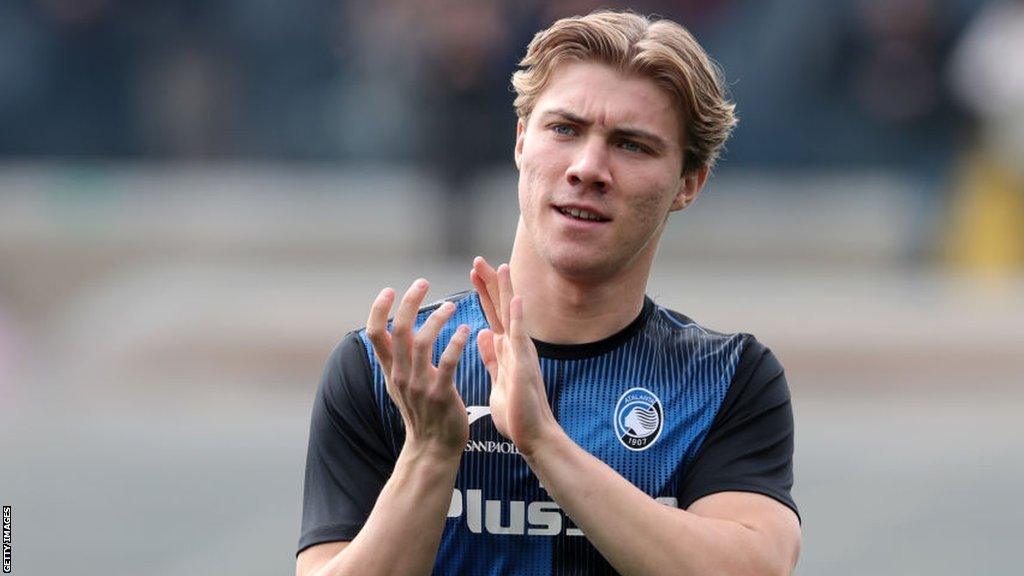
{"x":654,"y":140}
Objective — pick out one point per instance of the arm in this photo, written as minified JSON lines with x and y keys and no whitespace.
{"x":403,"y":530}
{"x":722,"y":532}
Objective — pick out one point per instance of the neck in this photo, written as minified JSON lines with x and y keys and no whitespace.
{"x":564,"y":310}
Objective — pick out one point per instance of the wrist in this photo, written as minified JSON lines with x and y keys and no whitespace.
{"x":430,"y":454}
{"x":549,"y":441}
{"x":555,"y":462}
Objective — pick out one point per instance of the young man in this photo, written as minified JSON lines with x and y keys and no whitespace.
{"x":557,"y":421}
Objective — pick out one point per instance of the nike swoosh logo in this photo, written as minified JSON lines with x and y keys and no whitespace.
{"x":475,"y":413}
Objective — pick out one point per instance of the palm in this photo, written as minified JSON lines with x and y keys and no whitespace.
{"x":518,"y":400}
{"x":506,"y":396}
{"x":499,"y":408}
{"x":432,"y":410}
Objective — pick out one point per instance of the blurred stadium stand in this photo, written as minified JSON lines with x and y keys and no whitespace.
{"x":197,"y":199}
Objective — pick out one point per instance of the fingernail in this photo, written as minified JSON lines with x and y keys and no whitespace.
{"x":421,"y":283}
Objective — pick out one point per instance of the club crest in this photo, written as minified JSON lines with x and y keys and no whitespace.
{"x":639,"y":419}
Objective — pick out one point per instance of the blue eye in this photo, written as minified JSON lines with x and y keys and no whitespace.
{"x":563,"y":129}
{"x":631,"y":146}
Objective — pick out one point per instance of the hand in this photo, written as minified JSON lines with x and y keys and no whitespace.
{"x":519,"y":403}
{"x":434,"y":415}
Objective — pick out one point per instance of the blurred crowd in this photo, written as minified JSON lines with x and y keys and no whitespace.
{"x":923,"y":86}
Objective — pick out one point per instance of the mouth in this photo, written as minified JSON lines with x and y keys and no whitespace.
{"x":582,"y":214}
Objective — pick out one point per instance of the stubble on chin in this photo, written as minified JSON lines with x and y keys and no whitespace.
{"x":577,"y":262}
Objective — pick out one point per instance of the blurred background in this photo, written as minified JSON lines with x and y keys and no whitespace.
{"x":199,"y":198}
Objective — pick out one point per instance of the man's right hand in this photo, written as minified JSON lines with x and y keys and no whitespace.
{"x":435,"y":417}
{"x":404,"y":529}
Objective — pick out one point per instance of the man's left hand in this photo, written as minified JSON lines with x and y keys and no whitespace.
{"x":519,"y":403}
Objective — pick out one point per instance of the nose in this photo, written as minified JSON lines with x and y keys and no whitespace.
{"x":590,"y":166}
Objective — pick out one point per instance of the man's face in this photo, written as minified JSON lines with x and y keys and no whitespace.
{"x":608,"y":145}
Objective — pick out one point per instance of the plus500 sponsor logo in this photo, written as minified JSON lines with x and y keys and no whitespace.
{"x":516,"y":517}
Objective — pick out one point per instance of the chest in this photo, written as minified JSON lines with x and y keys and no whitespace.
{"x":644,"y":415}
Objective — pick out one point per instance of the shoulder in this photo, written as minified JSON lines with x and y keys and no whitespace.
{"x":347,"y":368}
{"x":749,"y":363}
{"x":680,"y":324}
{"x":749,"y":444}
{"x":697,"y":341}
{"x":683,"y":326}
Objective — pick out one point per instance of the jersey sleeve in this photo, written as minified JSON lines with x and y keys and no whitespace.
{"x":749,"y":447}
{"x":348,"y":460}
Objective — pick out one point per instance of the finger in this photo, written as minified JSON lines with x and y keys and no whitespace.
{"x":504,"y":292}
{"x":377,"y":327}
{"x":485,"y":343}
{"x":423,"y":342}
{"x":401,"y":329}
{"x":501,"y":347}
{"x":490,"y":280}
{"x":486,"y":302}
{"x":450,"y":357}
{"x":485,"y":269}
{"x":517,"y":332}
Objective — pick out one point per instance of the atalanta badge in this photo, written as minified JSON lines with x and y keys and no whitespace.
{"x":639,"y":419}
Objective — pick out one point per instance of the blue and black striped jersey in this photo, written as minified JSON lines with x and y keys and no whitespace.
{"x":678,"y":410}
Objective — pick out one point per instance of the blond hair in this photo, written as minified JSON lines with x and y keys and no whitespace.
{"x":660,"y":50}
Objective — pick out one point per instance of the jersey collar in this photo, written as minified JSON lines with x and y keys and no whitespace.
{"x":591,"y":349}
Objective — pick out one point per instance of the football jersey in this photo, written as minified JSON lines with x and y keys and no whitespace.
{"x":678,"y":410}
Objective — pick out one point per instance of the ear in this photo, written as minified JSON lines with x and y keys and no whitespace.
{"x":520,"y":133}
{"x":690,"y":185}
